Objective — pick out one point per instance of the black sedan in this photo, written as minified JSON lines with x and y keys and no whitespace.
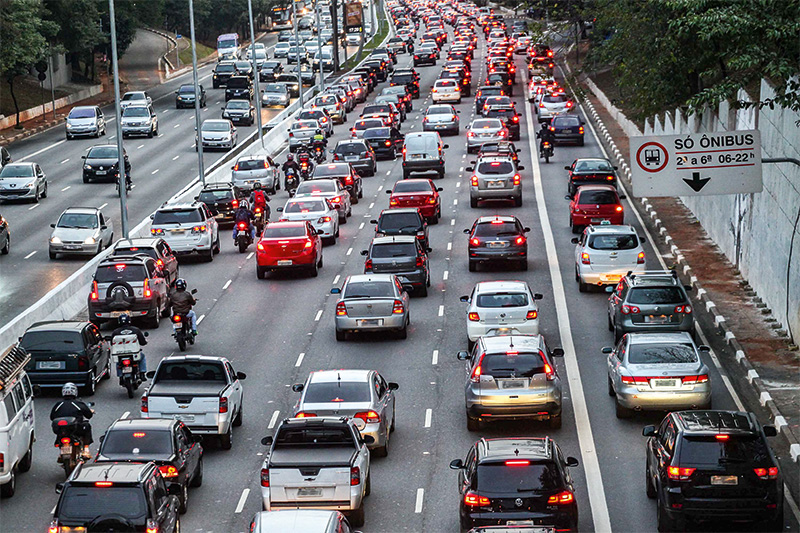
{"x":385,"y":142}
{"x":567,"y":129}
{"x":184,"y":97}
{"x":100,"y":163}
{"x":497,"y":239}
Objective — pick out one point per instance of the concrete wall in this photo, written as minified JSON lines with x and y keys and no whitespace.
{"x":28,"y":114}
{"x":755,"y":230}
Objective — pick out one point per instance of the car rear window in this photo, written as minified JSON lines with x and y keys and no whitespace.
{"x":586,"y":166}
{"x":489,"y":123}
{"x":503,"y":478}
{"x":412,"y":186}
{"x":379,"y":108}
{"x":661,"y":353}
{"x":566,"y":122}
{"x":84,"y":504}
{"x":191,"y":371}
{"x":317,"y":436}
{"x":613,"y":242}
{"x":283,"y":232}
{"x":656,"y":295}
{"x":369,"y":289}
{"x":396,"y":221}
{"x":446,"y":83}
{"x":341,"y":169}
{"x":496,"y":167}
{"x":421,"y":143}
{"x":251,"y":164}
{"x":502,"y":299}
{"x":367,"y":124}
{"x":554,"y":99}
{"x":137,"y":442}
{"x":120,"y":272}
{"x":489,"y":229}
{"x":135,"y":250}
{"x":598,"y":197}
{"x":337,"y":391}
{"x":304,"y":206}
{"x":351,"y":149}
{"x":512,"y":364}
{"x":393,"y":249}
{"x":215,"y":196}
{"x":735,"y":449}
{"x":376,"y":133}
{"x":52,"y":341}
{"x":177,"y":216}
{"x":505,"y":113}
{"x":403,"y":78}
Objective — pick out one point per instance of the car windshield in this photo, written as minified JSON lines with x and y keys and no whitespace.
{"x":238,"y":104}
{"x":332,"y":170}
{"x":412,"y":186}
{"x":283,"y":232}
{"x":191,"y":371}
{"x":351,"y":149}
{"x":585,"y":166}
{"x":661,"y":353}
{"x":369,"y":289}
{"x":512,"y":364}
{"x":439,"y":110}
{"x":78,"y":220}
{"x":121,"y":272}
{"x":133,"y":96}
{"x":496,"y":168}
{"x":52,"y":341}
{"x":216,"y":126}
{"x":304,"y":206}
{"x":656,"y":295}
{"x":492,"y":229}
{"x":85,"y":504}
{"x":225,"y":69}
{"x":502,"y":299}
{"x":613,"y":242}
{"x":275,"y":88}
{"x":17,"y":171}
{"x":393,"y":249}
{"x":398,"y":221}
{"x":81,"y":113}
{"x":186,"y":89}
{"x":137,"y":444}
{"x":337,"y":391}
{"x":215,"y":196}
{"x":316,"y":186}
{"x":399,"y":89}
{"x":102,"y":152}
{"x":177,"y":216}
{"x":735,"y":449}
{"x":135,"y":111}
{"x":598,"y":198}
{"x":532,"y":477}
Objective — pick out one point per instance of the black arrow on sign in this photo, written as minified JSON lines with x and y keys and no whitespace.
{"x":696,"y":182}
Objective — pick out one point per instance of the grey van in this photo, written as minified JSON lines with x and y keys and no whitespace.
{"x":423,"y":152}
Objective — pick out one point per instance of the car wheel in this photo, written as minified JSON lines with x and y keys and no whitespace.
{"x":261,"y":272}
{"x":523,"y":264}
{"x":610,"y":324}
{"x":555,"y":421}
{"x":7,"y":247}
{"x":649,"y":489}
{"x":216,"y":247}
{"x":518,"y":201}
{"x":611,"y":387}
{"x":473,"y":202}
{"x":7,"y":490}
{"x":473,"y":424}
{"x":423,"y":291}
{"x":209,"y":256}
{"x":664,"y":522}
{"x":314,"y":270}
{"x":473,"y":266}
{"x":197,"y":479}
{"x":403,"y":333}
{"x":226,"y":439}
{"x":167,"y":311}
{"x":239,"y":417}
{"x":582,"y":287}
{"x":27,"y":460}
{"x":623,"y":412}
{"x":357,"y":517}
{"x":341,"y":335}
{"x":44,"y":192}
{"x":89,"y":388}
{"x":618,"y":333}
{"x":381,"y":451}
{"x":183,"y":500}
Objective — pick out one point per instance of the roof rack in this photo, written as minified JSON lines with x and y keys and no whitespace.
{"x":645,"y":273}
{"x":12,"y":361}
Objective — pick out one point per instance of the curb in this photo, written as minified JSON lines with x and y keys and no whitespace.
{"x":721,"y":325}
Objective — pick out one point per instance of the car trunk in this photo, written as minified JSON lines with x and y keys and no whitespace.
{"x":598,"y":212}
{"x":507,"y":379}
{"x":394,"y":265}
{"x":665,"y":376}
{"x":412,"y":199}
{"x":286,"y":248}
{"x":336,"y":408}
{"x":196,"y":403}
{"x":372,"y":307}
{"x":305,"y":475}
{"x":605,"y":260}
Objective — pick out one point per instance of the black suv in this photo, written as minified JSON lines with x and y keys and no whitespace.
{"x":167,"y":442}
{"x":222,"y":73}
{"x":116,"y":497}
{"x":516,"y":479}
{"x":222,"y":199}
{"x":402,"y":221}
{"x":713,"y":465}
{"x":239,"y":87}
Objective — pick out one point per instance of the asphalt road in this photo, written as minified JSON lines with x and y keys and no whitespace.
{"x":279,"y":329}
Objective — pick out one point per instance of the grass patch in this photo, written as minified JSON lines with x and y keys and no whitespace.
{"x":202,"y":52}
{"x":28,"y":93}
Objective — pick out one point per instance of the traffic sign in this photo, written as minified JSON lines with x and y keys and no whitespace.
{"x":721,"y":162}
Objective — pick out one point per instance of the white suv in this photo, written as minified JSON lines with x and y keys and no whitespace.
{"x":605,"y":253}
{"x":188,"y":228}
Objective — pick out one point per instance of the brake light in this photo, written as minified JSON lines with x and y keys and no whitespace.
{"x":691,"y":380}
{"x":236,"y":167}
{"x":550,"y":53}
{"x":341,"y":309}
{"x":517,"y":179}
{"x":684,"y":309}
{"x":369,"y":417}
{"x":515,"y":119}
{"x":585,"y":258}
{"x":143,"y":408}
{"x":472,"y":499}
{"x":474,"y":317}
{"x":397,"y":308}
{"x":519,"y":241}
{"x":223,"y":405}
{"x":235,"y":203}
{"x":532,"y":315}
{"x":54,"y":527}
{"x":303,"y":414}
{"x":168,"y":471}
{"x":630,"y":309}
{"x":65,"y":441}
{"x":127,"y":362}
{"x":94,"y":295}
{"x":541,"y":104}
{"x":580,"y":130}
{"x":618,"y":209}
{"x":518,"y":462}
{"x":474,"y":242}
{"x":569,"y":104}
{"x":265,"y":477}
{"x":722,"y":436}
{"x":474,"y":181}
{"x":677,"y":473}
{"x":199,"y":229}
{"x":355,"y":476}
{"x":146,"y":288}
{"x":242,"y":226}
{"x":103,"y":484}
{"x":640,"y":258}
{"x":368,"y":265}
{"x":767,"y":473}
{"x":475,"y":377}
{"x":562,"y":498}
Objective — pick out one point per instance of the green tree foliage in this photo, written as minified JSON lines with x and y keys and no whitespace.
{"x":214,"y":17}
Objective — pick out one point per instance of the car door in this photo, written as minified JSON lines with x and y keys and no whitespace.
{"x":193,"y":449}
{"x":616,"y":299}
{"x":236,"y":386}
{"x":169,"y":263}
{"x":381,"y":400}
{"x":101,"y":121}
{"x":186,"y":460}
{"x":165,"y":507}
{"x":41,"y":179}
{"x":615,"y":359}
{"x":387,"y":400}
{"x":663,"y":447}
{"x":466,"y":474}
{"x":94,"y":349}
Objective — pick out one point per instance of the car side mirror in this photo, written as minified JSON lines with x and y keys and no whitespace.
{"x":146,"y":334}
{"x":388,"y":191}
{"x":59,"y":488}
{"x":642,"y":238}
{"x":557,"y":352}
{"x":607,"y":349}
{"x":462,"y":355}
{"x":616,"y":168}
{"x":703,"y":348}
{"x":623,"y":197}
{"x":574,"y":240}
{"x":152,"y":216}
{"x":298,"y":387}
{"x":52,"y":225}
{"x":364,"y":252}
{"x":571,"y":461}
{"x":393,"y":385}
{"x":368,"y":439}
{"x":267,"y":441}
{"x":103,"y":227}
{"x":150,"y":374}
{"x":445,"y":146}
{"x":526,"y":230}
{"x":470,"y":169}
{"x":373,"y":221}
{"x":241,"y":375}
{"x":567,"y":197}
{"x":466,"y":232}
{"x":336,"y":290}
{"x":83,"y":157}
{"x":464,"y":299}
{"x":279,"y":210}
{"x":176,"y":92}
{"x":193,"y":291}
{"x":439,"y":189}
{"x":456,"y":464}
{"x":770,"y":431}
{"x":222,"y":108}
{"x":567,"y":167}
{"x":429,"y":249}
{"x":537,"y":296}
{"x":649,"y":431}
{"x":609,"y":288}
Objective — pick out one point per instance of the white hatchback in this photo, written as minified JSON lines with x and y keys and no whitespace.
{"x":501,"y":308}
{"x":605,"y":253}
{"x":322,"y":215}
{"x":446,"y":90}
{"x":188,"y":228}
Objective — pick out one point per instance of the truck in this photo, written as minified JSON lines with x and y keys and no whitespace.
{"x":202,"y":391}
{"x":317,"y":463}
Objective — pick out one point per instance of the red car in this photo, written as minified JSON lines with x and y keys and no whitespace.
{"x":419,"y":193}
{"x":595,"y":204}
{"x":286,"y":245}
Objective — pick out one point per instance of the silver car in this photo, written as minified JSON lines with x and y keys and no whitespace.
{"x":550,"y":105}
{"x":362,"y":395}
{"x":301,"y":133}
{"x":275,"y":94}
{"x":138,"y":119}
{"x":219,"y":134}
{"x":135,"y":98}
{"x":330,"y":189}
{"x":511,"y":377}
{"x":22,"y":181}
{"x":85,"y":120}
{"x":442,"y":118}
{"x":657,"y":372}
{"x":495,"y":178}
{"x":188,"y":228}
{"x":501,"y":308}
{"x":605,"y":253}
{"x":319,"y":212}
{"x":239,"y":111}
{"x":371,"y":302}
{"x":485,"y":130}
{"x":306,"y":520}
{"x":80,"y":230}
{"x":250,"y":169}
{"x":332,"y":104}
{"x":281,"y":49}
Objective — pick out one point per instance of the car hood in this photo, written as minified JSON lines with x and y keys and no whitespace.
{"x":82,"y":121}
{"x":74,"y":234}
{"x":133,"y":120}
{"x":15,"y":182}
{"x":215,"y":134}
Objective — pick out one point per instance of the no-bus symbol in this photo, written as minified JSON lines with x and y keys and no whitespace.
{"x":652,"y":157}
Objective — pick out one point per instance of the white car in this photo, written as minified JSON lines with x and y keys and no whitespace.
{"x":317,"y":211}
{"x":550,"y":105}
{"x":188,"y":228}
{"x":501,"y":308}
{"x":331,"y":190}
{"x":135,"y":98}
{"x":446,"y":90}
{"x":16,"y":420}
{"x":605,"y":253}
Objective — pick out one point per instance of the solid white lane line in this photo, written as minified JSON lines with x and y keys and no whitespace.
{"x":34,"y":206}
{"x":300,"y":359}
{"x":126,"y":413}
{"x":227,"y":284}
{"x":200,"y":319}
{"x":428,"y":416}
{"x":335,"y":280}
{"x":417,"y":505}
{"x":445,"y":275}
{"x":176,"y":157}
{"x":594,"y":478}
{"x":435,"y":358}
{"x":66,"y":188}
{"x":349,"y":251}
{"x":154,"y":172}
{"x":105,"y":204}
{"x":319,"y":315}
{"x":441,"y":310}
{"x":250,"y":256}
{"x":64,"y":161}
{"x":272,"y":420}
{"x":30,"y":255}
{"x":242,"y":500}
{"x":46,"y":148}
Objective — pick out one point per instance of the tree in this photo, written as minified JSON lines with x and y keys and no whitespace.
{"x":23,"y":42}
{"x":79,"y":29}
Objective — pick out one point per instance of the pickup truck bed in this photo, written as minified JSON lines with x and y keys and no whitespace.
{"x":203,"y":389}
{"x":323,"y":456}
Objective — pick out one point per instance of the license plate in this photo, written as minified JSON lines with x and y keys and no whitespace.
{"x":517,"y":384}
{"x":495,"y":184}
{"x":665,"y":383}
{"x":611,"y":277}
{"x":177,"y":325}
{"x":116,"y":314}
{"x":417,"y":156}
{"x":309,"y":492}
{"x":351,"y":158}
{"x":50,"y":365}
{"x":127,"y":370}
{"x":184,"y":418}
{"x":177,"y":232}
{"x":519,"y":522}
{"x":498,"y":244}
{"x":598,"y":220}
{"x":653,"y":319}
{"x":72,"y":246}
{"x":100,"y":172}
{"x":284,"y":262}
{"x":724,"y":480}
{"x":370,"y":322}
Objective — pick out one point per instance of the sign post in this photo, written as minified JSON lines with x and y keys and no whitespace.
{"x":712,"y":163}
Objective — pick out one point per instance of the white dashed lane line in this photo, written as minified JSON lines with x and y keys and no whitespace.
{"x":30,"y":255}
{"x":428,"y":417}
{"x":176,"y":157}
{"x":319,"y":315}
{"x":227,"y":284}
{"x":435,"y":358}
{"x":242,"y":500}
{"x":64,"y":161}
{"x":273,"y":420}
{"x":441,"y":310}
{"x":300,"y":359}
{"x":154,"y":172}
{"x":34,"y":206}
{"x":66,"y":188}
{"x":417,"y":505}
{"x":335,"y":280}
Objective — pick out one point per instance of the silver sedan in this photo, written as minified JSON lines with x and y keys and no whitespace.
{"x":485,"y":130}
{"x":371,"y":302}
{"x":362,"y":395}
{"x":442,"y":118}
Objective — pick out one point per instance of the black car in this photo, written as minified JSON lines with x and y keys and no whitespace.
{"x":239,"y":111}
{"x":501,"y":78}
{"x":244,"y":68}
{"x":516,"y":479}
{"x":100,"y":163}
{"x":713,"y":466}
{"x":291,"y":83}
{"x":166,"y":442}
{"x":402,"y":255}
{"x":379,"y":67}
{"x":66,"y":351}
{"x":567,"y":129}
{"x":590,"y":171}
{"x":386,"y":142}
{"x":269,"y":71}
{"x":222,"y":200}
{"x":497,"y":238}
{"x":510,"y":118}
{"x":425,"y":57}
{"x":184,"y":96}
{"x":116,"y":497}
{"x":239,"y":87}
{"x":486,"y":91}
{"x":371,"y":75}
{"x":402,"y":221}
{"x":222,"y":73}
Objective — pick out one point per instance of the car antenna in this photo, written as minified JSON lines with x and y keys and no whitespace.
{"x":511,"y":341}
{"x":339,"y":379}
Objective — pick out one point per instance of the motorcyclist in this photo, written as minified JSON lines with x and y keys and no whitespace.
{"x":290,"y":164}
{"x":243,"y":214}
{"x":546,"y":135}
{"x":126,"y":328}
{"x":319,"y":140}
{"x":182,"y":302}
{"x":71,"y":406}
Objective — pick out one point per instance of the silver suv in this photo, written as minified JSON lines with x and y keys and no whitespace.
{"x":511,"y":377}
{"x":605,"y":253}
{"x":188,"y":228}
{"x":495,"y":178}
{"x":138,"y":119}
{"x":651,"y":301}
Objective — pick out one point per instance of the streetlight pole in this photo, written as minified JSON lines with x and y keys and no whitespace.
{"x":319,"y":50}
{"x":197,"y":121}
{"x":255,"y":69}
{"x":297,"y":48}
{"x":121,"y":171}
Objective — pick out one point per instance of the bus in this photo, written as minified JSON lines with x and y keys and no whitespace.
{"x":227,"y":44}
{"x":281,"y":16}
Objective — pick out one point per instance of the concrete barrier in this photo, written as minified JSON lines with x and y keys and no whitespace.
{"x":34,"y":112}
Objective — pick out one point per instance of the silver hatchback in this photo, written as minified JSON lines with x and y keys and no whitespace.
{"x":511,"y":377}
{"x":371,"y":302}
{"x":495,"y":178}
{"x":252,"y":169}
{"x":485,"y":130}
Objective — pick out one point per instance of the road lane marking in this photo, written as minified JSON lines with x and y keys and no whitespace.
{"x":64,"y":161}
{"x":176,"y":126}
{"x":138,"y":147}
{"x":272,"y":420}
{"x":112,"y":137}
{"x":104,"y":205}
{"x":336,"y":279}
{"x":441,"y":310}
{"x":458,"y":184}
{"x":176,"y":157}
{"x":349,"y":251}
{"x":388,"y":172}
{"x":455,"y":201}
{"x":428,"y":416}
{"x":445,"y":275}
{"x":46,"y":148}
{"x":125,"y":415}
{"x":242,"y":500}
{"x":461,"y":169}
{"x":154,"y":172}
{"x":361,"y":226}
{"x":250,"y":256}
{"x":34,"y":206}
{"x":435,"y":358}
{"x":449,"y":246}
{"x":380,"y":188}
{"x":420,"y":497}
{"x":30,"y":255}
{"x":227,"y":284}
{"x":200,"y":319}
{"x":300,"y":359}
{"x":319,"y":315}
{"x":66,"y":188}
{"x":371,"y":205}
{"x":452,"y":222}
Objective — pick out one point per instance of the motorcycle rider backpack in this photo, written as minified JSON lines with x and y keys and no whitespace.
{"x":260,"y":198}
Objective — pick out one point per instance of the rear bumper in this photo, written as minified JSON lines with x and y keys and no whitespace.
{"x":735,"y":509}
{"x":297,"y":261}
{"x":568,"y":137}
{"x":586,"y":220}
{"x":608,"y":276}
{"x":628,"y":326}
{"x":137,"y":310}
{"x":57,"y":379}
{"x":393,"y":322}
{"x":505,"y":255}
{"x":563,"y":521}
{"x":424,"y":165}
{"x":537,"y":411}
{"x":495,"y":194}
{"x":476,"y":329}
{"x":633,"y":398}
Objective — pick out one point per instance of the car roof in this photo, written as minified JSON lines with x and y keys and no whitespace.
{"x":179,"y":206}
{"x":141,"y":242}
{"x":660,"y":338}
{"x":611,"y":229}
{"x":288,"y":224}
{"x":500,"y":285}
{"x":403,"y":239}
{"x":143,"y":423}
{"x":122,"y":472}
{"x":503,"y":343}
{"x":193,"y":358}
{"x":713,"y":422}
{"x":491,"y":157}
{"x":361,"y":278}
{"x":511,"y":448}
{"x":59,"y":325}
{"x":330,"y":376}
{"x":487,"y":219}
{"x":597,"y":187}
{"x":295,"y":520}
{"x":399,"y":210}
{"x":84,"y":210}
{"x":227,"y":184}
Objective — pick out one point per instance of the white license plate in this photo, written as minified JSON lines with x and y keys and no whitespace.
{"x":177,"y":232}
{"x":115,"y":314}
{"x":498,"y":244}
{"x":370,"y":322}
{"x":177,"y":325}
{"x":72,"y":247}
{"x":517,"y":384}
{"x":50,"y":365}
{"x":598,"y":220}
{"x":417,"y":156}
{"x":495,"y":184}
{"x":665,"y":383}
{"x":519,"y":522}
{"x":284,"y":262}
{"x":184,"y":418}
{"x":127,"y":369}
{"x":351,"y":158}
{"x":724,"y":480}
{"x":654,"y":319}
{"x":100,"y":172}
{"x":309,"y":492}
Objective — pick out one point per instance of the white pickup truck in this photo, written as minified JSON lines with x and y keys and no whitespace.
{"x":203,"y":392}
{"x":317,"y":463}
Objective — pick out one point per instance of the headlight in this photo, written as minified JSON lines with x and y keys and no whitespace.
{"x":89,"y":240}
{"x":55,"y":240}
{"x":31,"y":184}
{"x":69,"y":126}
{"x":87,"y":167}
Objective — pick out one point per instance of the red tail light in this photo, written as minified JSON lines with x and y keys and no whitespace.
{"x":519,"y":241}
{"x":691,"y":380}
{"x":168,"y":471}
{"x":126,"y":362}
{"x":265,"y":477}
{"x":398,"y":308}
{"x":676,"y":473}
{"x":474,"y":181}
{"x":472,"y":499}
{"x":54,"y":527}
{"x":640,"y":258}
{"x":95,"y":294}
{"x":103,"y":484}
{"x":474,"y":317}
{"x":618,"y":209}
{"x":260,"y":247}
{"x":503,"y":133}
{"x":146,"y":288}
{"x":431,"y":200}
{"x":242,"y":226}
{"x":541,"y":104}
{"x":369,"y":417}
{"x":562,"y":498}
{"x":144,"y":404}
{"x":235,"y":203}
{"x":257,"y":210}
{"x":532,"y":315}
{"x":65,"y":441}
{"x":550,"y":53}
{"x":630,"y":309}
{"x":569,"y":104}
{"x":684,"y":309}
{"x":517,"y":179}
{"x":303,"y":414}
{"x":355,"y":476}
{"x":392,"y":201}
{"x":388,"y":143}
{"x":515,"y":119}
{"x":475,"y":377}
{"x":767,"y":473}
{"x":368,"y":265}
{"x":585,"y":258}
{"x":308,"y":244}
{"x":341,"y":309}
{"x":236,"y":167}
{"x":580,"y":130}
{"x":474,"y":242}
{"x":176,"y":318}
{"x":223,"y":405}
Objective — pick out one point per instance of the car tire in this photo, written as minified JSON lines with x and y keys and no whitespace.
{"x":7,"y":490}
{"x":216,"y":247}
{"x":357,"y":517}
{"x":611,"y":387}
{"x":582,"y":287}
{"x":90,"y":386}
{"x":237,"y":422}
{"x":7,"y":247}
{"x":623,"y":412}
{"x":154,"y":321}
{"x":433,"y":220}
{"x":209,"y":256}
{"x":523,"y":265}
{"x":403,"y":333}
{"x":226,"y":439}
{"x":649,"y":488}
{"x":518,"y":201}
{"x":581,"y":142}
{"x":341,"y":335}
{"x":261,"y":272}
{"x":473,"y":202}
{"x":183,"y":500}
{"x":167,"y":311}
{"x":555,"y":421}
{"x":473,"y":424}
{"x":197,"y":479}
{"x":381,"y":451}
{"x":314,"y":270}
{"x":473,"y":266}
{"x":618,"y":333}
{"x":368,"y":483}
{"x":27,"y":460}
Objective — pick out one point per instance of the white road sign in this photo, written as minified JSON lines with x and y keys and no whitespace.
{"x":723,"y":162}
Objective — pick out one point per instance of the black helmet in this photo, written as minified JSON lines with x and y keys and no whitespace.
{"x":257,"y":185}
{"x":318,"y":132}
{"x":124,"y":319}
{"x":290,"y":157}
{"x":180,"y":284}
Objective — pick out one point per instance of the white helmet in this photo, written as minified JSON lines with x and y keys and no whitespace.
{"x":69,"y":390}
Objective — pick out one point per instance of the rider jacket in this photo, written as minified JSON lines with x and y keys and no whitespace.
{"x":182,"y":302}
{"x":546,"y":135}
{"x":291,"y":164}
{"x":130,"y":330}
{"x":77,"y":409}
{"x":243,"y":215}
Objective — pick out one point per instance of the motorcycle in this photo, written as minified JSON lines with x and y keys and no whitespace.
{"x":546,"y":151}
{"x":127,"y":184}
{"x":306,"y":165}
{"x":291,"y":182}
{"x":69,"y":441}
{"x":261,"y":218}
{"x":243,"y":237}
{"x":182,"y":329}
{"x":127,"y":354}
{"x":319,"y":153}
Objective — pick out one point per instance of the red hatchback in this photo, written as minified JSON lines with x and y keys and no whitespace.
{"x":286,"y":245}
{"x":419,"y":193}
{"x":595,"y":204}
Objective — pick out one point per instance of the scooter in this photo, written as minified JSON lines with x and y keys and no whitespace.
{"x":291,"y":182}
{"x":243,"y":237}
{"x":127,"y":355}
{"x":69,"y":441}
{"x":546,"y":151}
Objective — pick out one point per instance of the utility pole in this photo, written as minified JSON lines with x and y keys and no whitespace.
{"x":577,"y":42}
{"x":335,"y":22}
{"x":121,"y":171}
{"x":255,"y":70}
{"x":52,"y":89}
{"x":197,"y":121}
{"x":297,"y":47}
{"x":319,"y":50}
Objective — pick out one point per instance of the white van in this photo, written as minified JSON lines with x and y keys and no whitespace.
{"x":16,"y":419}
